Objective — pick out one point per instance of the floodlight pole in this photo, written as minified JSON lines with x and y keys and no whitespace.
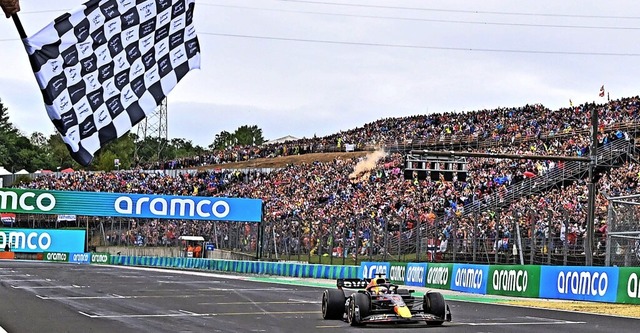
{"x":591,"y":186}
{"x":260,"y":234}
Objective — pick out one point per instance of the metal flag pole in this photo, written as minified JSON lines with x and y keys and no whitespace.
{"x":16,"y":21}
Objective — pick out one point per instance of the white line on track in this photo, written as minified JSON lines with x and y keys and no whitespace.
{"x":48,"y":287}
{"x":303,"y":301}
{"x":192,"y":314}
{"x":253,"y":302}
{"x":188,"y":282}
{"x":187,"y":312}
{"x":122,"y":297}
{"x":563,"y":322}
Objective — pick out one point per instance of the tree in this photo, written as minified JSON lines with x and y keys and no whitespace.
{"x":151,"y":149}
{"x":38,"y":140}
{"x":5,"y":125}
{"x":179,"y":148}
{"x":222,"y":140}
{"x":249,"y":135}
{"x":59,"y":155}
{"x":8,"y":139}
{"x":122,"y":149}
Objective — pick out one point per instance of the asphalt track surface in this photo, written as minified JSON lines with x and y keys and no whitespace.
{"x":47,"y":297}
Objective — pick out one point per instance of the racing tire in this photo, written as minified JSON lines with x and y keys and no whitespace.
{"x":333,"y":304}
{"x":363,"y":303}
{"x":433,"y":303}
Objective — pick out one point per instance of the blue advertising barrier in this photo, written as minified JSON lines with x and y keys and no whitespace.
{"x":370,"y":269}
{"x":130,"y":205}
{"x":415,"y":275}
{"x":80,"y":258}
{"x":470,"y":278}
{"x":43,"y":240}
{"x":579,"y":283}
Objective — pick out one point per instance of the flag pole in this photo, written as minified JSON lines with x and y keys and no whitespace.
{"x":16,"y":21}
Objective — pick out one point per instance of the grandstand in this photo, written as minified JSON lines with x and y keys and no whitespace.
{"x":505,"y":210}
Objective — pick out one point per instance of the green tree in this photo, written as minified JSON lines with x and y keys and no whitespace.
{"x":179,"y":148}
{"x":222,"y":140}
{"x":8,"y":138}
{"x":151,"y":149}
{"x":248,"y":135}
{"x":122,"y":149}
{"x":59,"y":155}
{"x":5,"y":125}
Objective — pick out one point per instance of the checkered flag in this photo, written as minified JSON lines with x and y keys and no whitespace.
{"x":106,"y":65}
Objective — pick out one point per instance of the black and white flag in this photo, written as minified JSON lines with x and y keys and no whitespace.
{"x":106,"y":65}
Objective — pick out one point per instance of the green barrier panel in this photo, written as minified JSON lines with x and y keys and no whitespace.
{"x":397,"y":271}
{"x":629,"y":285}
{"x":439,"y":276}
{"x":100,"y":258}
{"x":514,"y":280}
{"x":55,"y":256}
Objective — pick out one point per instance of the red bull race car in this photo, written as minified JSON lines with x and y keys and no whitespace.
{"x":378,"y":301}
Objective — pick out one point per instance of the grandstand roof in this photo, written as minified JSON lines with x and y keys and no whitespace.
{"x":283,"y":139}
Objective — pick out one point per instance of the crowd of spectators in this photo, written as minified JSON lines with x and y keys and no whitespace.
{"x":501,"y":127}
{"x":326,"y":207}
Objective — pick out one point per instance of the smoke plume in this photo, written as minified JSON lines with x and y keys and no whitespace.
{"x":362,"y":168}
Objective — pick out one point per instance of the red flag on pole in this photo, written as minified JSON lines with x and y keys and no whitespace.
{"x":602,"y":91}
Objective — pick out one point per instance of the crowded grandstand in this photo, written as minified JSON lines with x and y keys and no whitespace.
{"x":344,"y":210}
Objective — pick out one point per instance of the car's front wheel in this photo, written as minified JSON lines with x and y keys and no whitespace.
{"x":362,"y":303}
{"x":433,"y":303}
{"x":333,"y":304}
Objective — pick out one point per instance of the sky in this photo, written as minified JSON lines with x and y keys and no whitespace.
{"x":306,"y":68}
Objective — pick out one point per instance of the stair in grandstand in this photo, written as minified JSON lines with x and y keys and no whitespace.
{"x":607,"y":155}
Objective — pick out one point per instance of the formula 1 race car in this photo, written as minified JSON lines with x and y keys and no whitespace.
{"x":378,"y":301}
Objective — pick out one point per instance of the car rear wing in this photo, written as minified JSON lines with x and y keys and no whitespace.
{"x":353,"y":283}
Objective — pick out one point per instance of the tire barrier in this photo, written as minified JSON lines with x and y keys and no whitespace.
{"x":243,"y":267}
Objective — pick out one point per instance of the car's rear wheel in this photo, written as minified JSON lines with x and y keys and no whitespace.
{"x":363,"y":303}
{"x":333,"y":304}
{"x":433,"y":303}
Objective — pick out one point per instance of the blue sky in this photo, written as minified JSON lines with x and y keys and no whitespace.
{"x":317,"y":67}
